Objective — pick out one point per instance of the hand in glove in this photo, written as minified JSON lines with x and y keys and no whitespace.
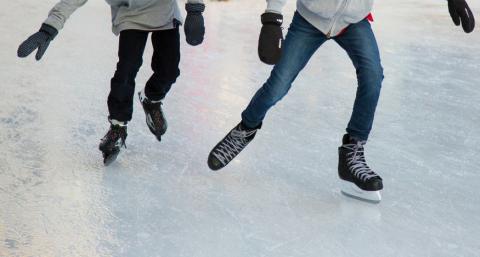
{"x":194,"y":23}
{"x":39,"y":40}
{"x":271,"y":38}
{"x":461,"y":13}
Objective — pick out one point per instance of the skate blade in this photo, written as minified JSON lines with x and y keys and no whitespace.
{"x":110,"y":158}
{"x":351,"y":190}
{"x":157,"y":135}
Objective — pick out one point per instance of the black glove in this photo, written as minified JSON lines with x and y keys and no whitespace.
{"x":460,"y":12}
{"x":39,"y":40}
{"x":194,"y":23}
{"x":271,"y":38}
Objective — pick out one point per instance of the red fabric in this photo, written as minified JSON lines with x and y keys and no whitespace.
{"x":369,"y":18}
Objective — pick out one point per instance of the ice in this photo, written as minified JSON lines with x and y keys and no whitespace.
{"x":281,"y":196}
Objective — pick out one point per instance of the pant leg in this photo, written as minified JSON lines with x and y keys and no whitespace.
{"x":302,"y":40}
{"x":360,"y":44}
{"x":130,"y":52}
{"x":165,"y":61}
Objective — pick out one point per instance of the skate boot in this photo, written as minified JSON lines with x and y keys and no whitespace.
{"x":155,"y":118}
{"x":113,"y":141}
{"x":358,"y":180}
{"x":235,"y":141}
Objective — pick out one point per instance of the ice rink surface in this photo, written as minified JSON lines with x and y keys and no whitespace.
{"x":280,"y":197}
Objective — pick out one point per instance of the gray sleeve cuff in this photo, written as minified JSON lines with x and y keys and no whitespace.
{"x":195,"y":1}
{"x":275,"y":6}
{"x":59,"y":14}
{"x":54,"y":22}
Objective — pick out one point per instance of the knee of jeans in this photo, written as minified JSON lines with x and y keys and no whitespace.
{"x":275,"y":92}
{"x":371,"y":76}
{"x":128,"y":68}
{"x":123,"y":79}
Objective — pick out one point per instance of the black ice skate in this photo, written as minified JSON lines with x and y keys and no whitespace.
{"x":112,"y":142}
{"x":155,"y":118}
{"x":359,"y":181}
{"x":235,"y":141}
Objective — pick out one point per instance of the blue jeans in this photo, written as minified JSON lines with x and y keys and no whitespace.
{"x":302,"y":40}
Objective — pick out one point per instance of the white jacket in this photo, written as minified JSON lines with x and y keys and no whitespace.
{"x":329,"y":16}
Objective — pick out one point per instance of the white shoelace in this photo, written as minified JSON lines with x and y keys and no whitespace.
{"x":232,"y":145}
{"x":357,"y":162}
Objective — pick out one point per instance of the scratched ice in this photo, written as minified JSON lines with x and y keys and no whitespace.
{"x":280,"y":197}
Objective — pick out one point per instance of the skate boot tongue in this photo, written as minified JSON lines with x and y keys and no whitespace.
{"x":118,"y":132}
{"x":118,"y":129}
{"x":243,"y":133}
{"x":242,"y":126}
{"x":349,"y":140}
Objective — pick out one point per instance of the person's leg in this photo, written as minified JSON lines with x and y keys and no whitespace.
{"x":360,"y":44}
{"x":165,"y":61}
{"x":120,"y":100}
{"x":358,"y":179}
{"x":130,"y":52}
{"x":302,"y":40}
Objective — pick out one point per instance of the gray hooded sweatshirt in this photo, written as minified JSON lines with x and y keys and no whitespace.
{"x":328,"y":16}
{"x":146,"y":15}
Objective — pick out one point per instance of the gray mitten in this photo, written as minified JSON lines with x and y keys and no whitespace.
{"x":39,"y":40}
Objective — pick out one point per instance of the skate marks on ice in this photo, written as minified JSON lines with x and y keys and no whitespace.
{"x":22,"y":154}
{"x":47,"y":190}
{"x":21,"y":174}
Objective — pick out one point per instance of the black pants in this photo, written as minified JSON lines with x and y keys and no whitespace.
{"x":165,"y":60}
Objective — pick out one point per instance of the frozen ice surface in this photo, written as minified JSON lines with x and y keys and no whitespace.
{"x":281,"y":196}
